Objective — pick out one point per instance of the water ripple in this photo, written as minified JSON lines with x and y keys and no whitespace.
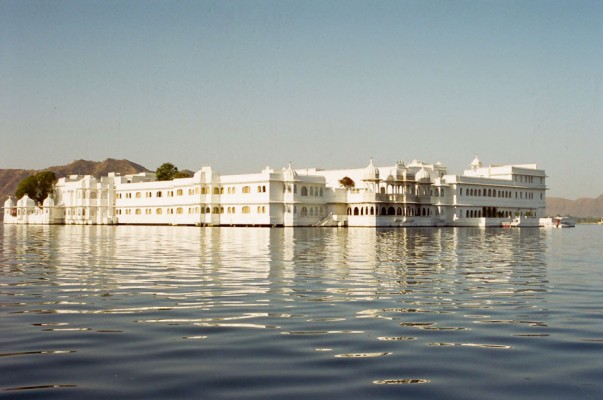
{"x":181,"y":312}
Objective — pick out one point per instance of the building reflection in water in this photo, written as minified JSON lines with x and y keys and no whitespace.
{"x":209,"y":266}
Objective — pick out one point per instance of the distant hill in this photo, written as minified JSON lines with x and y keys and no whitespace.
{"x":98,"y":169}
{"x":10,"y":178}
{"x":581,"y":208}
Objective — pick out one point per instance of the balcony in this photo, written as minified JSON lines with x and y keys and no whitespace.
{"x":361,"y":196}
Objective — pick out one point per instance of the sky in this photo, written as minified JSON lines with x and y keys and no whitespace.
{"x":241,"y":85}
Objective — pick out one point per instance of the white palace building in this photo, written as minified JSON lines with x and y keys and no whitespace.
{"x":413,"y":194}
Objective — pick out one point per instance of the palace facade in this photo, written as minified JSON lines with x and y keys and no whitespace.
{"x":413,"y":194}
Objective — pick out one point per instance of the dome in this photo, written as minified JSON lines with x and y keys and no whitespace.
{"x":25,"y":201}
{"x":48,"y":202}
{"x":476,"y":163}
{"x":422,"y":176}
{"x":398,"y":173}
{"x":371,"y":173}
{"x":9,"y":203}
{"x":289,"y":173}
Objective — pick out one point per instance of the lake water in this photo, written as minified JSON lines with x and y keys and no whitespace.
{"x":242,"y":313}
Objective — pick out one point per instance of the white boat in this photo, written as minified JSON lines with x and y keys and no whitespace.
{"x":525,"y":222}
{"x":557,"y":222}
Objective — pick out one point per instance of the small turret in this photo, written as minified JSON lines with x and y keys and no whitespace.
{"x":371,"y":173}
{"x":422,"y":176}
{"x":289,"y":173}
{"x":476,"y":163}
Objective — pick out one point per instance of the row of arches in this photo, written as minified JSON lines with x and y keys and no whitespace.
{"x":311,"y":191}
{"x":402,"y":211}
{"x":488,"y":212}
{"x":507,"y":194}
{"x":416,"y":190}
{"x":180,"y":210}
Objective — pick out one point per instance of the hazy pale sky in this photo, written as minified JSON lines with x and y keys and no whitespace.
{"x":244,"y":84}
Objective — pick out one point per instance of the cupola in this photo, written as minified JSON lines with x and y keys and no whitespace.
{"x":371,"y":173}
{"x":476,"y":163}
{"x":398,"y":173}
{"x":289,"y":173}
{"x":9,"y":203}
{"x":422,"y":176}
{"x":48,"y":201}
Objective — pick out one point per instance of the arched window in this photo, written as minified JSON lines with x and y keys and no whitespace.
{"x":361,"y":211}
{"x":399,"y":211}
{"x":245,"y":210}
{"x":179,"y":210}
{"x":246,"y":189}
{"x":372,"y":210}
{"x":356,"y":211}
{"x":259,"y":189}
{"x":304,"y":191}
{"x":216,"y":190}
{"x":179,"y":192}
{"x":207,"y":210}
{"x":391,"y":211}
{"x":138,"y":212}
{"x":263,"y":189}
{"x":383,"y":211}
{"x":349,"y":211}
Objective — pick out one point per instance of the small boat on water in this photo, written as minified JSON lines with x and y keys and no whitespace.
{"x":525,"y":222}
{"x":558,"y":222}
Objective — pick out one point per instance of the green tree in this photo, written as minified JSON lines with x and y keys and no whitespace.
{"x":166,"y":172}
{"x":37,"y":186}
{"x":182,"y":174}
{"x":347,"y":182}
{"x":27,"y":186}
